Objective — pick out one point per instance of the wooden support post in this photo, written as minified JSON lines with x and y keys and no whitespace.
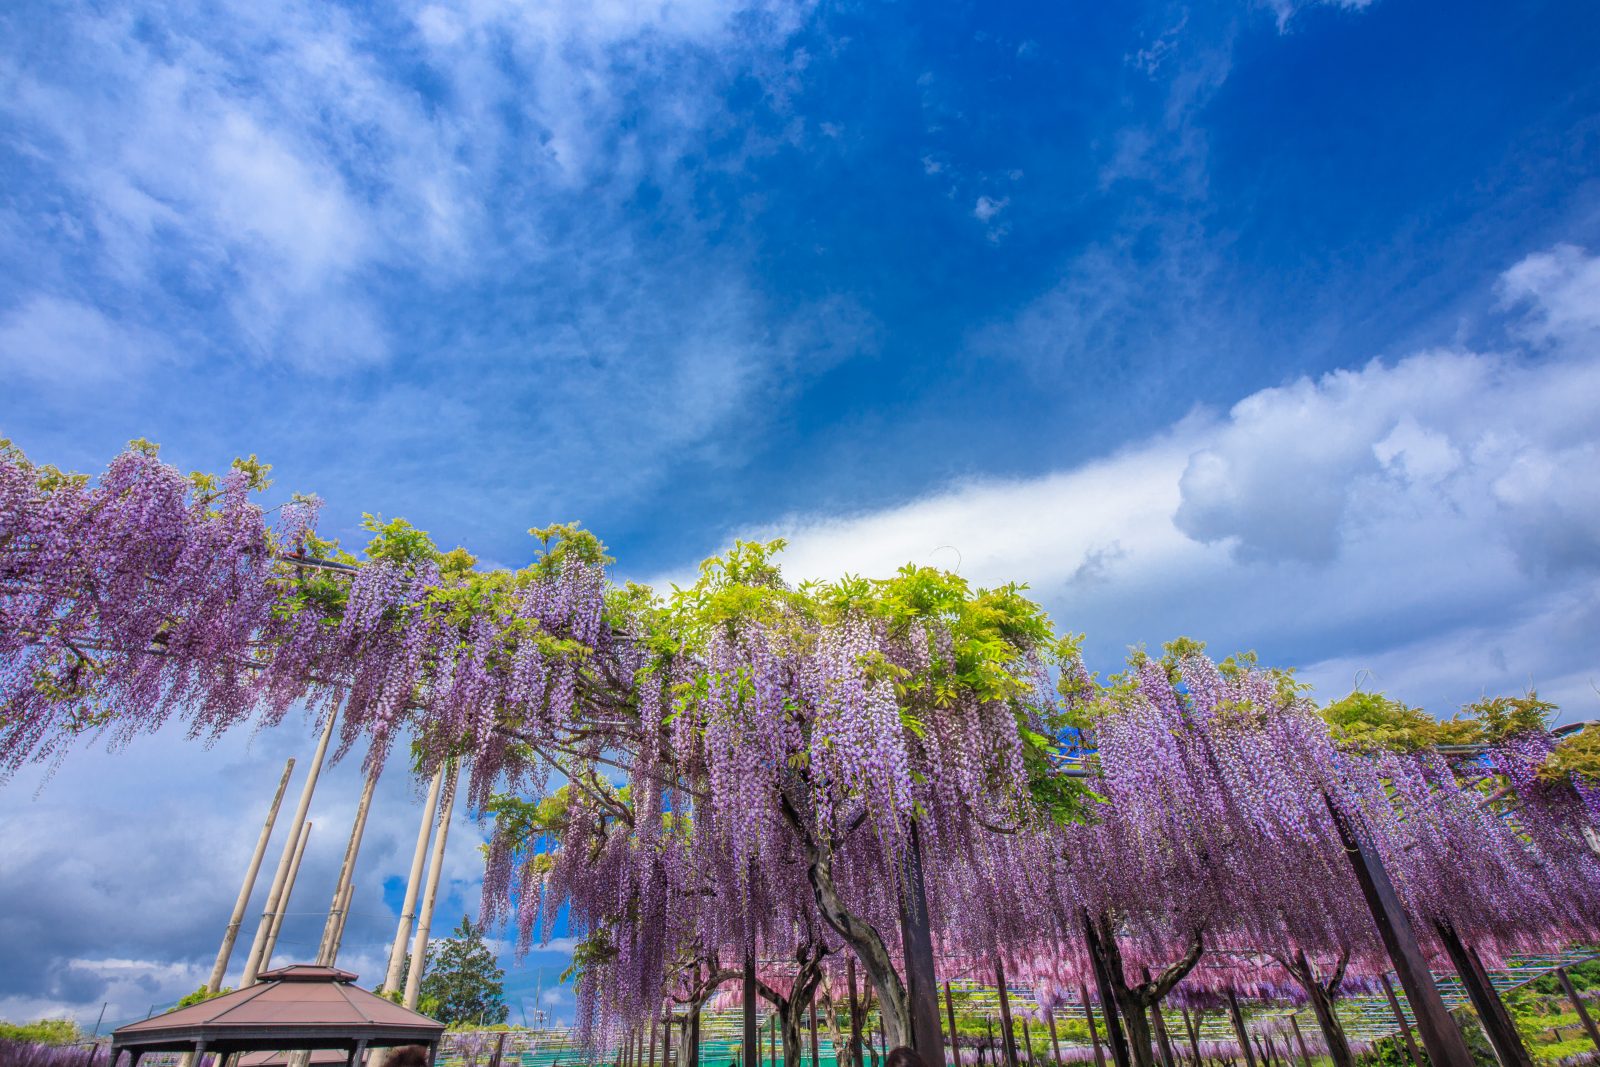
{"x":955,"y":1037}
{"x":1492,"y":1014}
{"x":1055,"y":1042}
{"x":1305,"y":1053}
{"x":408,"y":909}
{"x":1577,"y":1005}
{"x":1239,"y":1032}
{"x":499,"y":1050}
{"x":1400,"y":1019}
{"x":283,"y":901}
{"x":419,"y":944}
{"x":816,"y":1054}
{"x":231,"y":934}
{"x":252,"y":964}
{"x":916,"y":939}
{"x":1094,"y":1033}
{"x":772,"y":1039}
{"x":855,"y":1014}
{"x":752,"y":1039}
{"x":1027,"y":1041}
{"x":1163,"y":1041}
{"x":1446,"y":1047}
{"x":1009,"y":1038}
{"x":1193,"y":1030}
{"x":651,"y":1060}
{"x":666,"y":1038}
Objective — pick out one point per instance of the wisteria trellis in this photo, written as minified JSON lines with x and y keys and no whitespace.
{"x":743,"y":767}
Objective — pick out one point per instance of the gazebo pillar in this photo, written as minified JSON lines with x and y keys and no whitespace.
{"x":355,"y":1054}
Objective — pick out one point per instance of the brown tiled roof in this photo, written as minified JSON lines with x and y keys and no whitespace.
{"x":295,"y":1006}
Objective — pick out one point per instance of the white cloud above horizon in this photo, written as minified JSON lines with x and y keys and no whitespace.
{"x":1363,"y":523}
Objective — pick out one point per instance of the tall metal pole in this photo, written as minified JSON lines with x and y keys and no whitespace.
{"x":408,"y":909}
{"x":419,"y":946}
{"x":1446,"y":1047}
{"x":334,"y":926}
{"x":252,"y":965}
{"x":235,"y":920}
{"x":283,"y":905}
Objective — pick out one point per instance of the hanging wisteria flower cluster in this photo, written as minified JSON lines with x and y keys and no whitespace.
{"x":753,"y":769}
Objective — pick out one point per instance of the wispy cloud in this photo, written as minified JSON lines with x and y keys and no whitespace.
{"x":1374,"y":517}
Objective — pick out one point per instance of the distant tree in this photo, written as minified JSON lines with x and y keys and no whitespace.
{"x":463,"y":979}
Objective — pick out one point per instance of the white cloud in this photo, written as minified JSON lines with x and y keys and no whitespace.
{"x":987,"y":208}
{"x":64,"y":343}
{"x":1560,"y":290}
{"x":131,"y":914}
{"x":1286,"y":10}
{"x":1435,"y":520}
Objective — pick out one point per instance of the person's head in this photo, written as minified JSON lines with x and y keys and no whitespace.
{"x":904,"y":1056}
{"x":408,"y":1056}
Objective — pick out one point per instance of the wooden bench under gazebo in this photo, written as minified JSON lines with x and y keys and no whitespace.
{"x":296,"y":1008}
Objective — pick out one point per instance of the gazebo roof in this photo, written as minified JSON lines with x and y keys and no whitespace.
{"x":296,"y":1007}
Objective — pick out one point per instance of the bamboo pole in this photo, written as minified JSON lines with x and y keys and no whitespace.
{"x":237,"y":918}
{"x":338,"y":935}
{"x":333,"y":929}
{"x":283,"y":905}
{"x":252,"y":965}
{"x":408,"y":910}
{"x":419,"y":946}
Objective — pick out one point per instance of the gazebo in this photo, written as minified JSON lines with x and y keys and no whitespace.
{"x":293,"y":1008}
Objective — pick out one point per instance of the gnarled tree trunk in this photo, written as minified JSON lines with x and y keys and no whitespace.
{"x":894,"y":1005}
{"x":1134,"y":1002}
{"x":791,"y":1009}
{"x":1322,"y":994}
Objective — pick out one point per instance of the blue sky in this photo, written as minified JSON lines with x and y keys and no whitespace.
{"x":1272,"y":323}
